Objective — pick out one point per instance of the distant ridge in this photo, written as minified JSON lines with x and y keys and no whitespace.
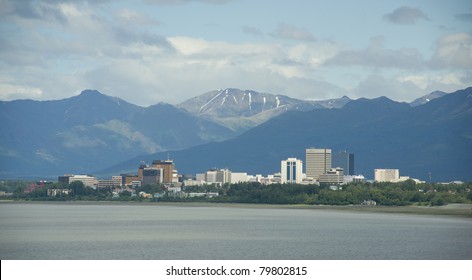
{"x":90,"y":131}
{"x":434,"y":137}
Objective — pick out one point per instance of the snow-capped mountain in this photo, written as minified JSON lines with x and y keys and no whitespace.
{"x":242,"y":109}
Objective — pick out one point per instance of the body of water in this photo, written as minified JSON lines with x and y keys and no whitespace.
{"x":134,"y":231}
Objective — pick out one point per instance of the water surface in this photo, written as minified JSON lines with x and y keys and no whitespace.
{"x":134,"y":231}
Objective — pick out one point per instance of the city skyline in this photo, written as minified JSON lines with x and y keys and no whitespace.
{"x":291,"y":172}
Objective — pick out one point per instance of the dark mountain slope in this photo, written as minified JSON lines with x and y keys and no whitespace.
{"x":92,"y":131}
{"x":434,"y":137}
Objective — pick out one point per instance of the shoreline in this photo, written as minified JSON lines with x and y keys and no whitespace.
{"x":455,"y":210}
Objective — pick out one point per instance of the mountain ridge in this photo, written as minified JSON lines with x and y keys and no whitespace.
{"x":434,"y":137}
{"x":92,"y":131}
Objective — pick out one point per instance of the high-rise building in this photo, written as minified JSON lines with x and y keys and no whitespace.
{"x":210,"y":176}
{"x":345,"y":161}
{"x":291,"y":171}
{"x":386,"y":175}
{"x":152,"y":175}
{"x":223,"y":176}
{"x":64,"y":180}
{"x":318,"y":161}
{"x":167,"y":167}
{"x":140,"y":171}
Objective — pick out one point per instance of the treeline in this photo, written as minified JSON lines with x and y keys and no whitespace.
{"x":77,"y":191}
{"x":387,"y":194}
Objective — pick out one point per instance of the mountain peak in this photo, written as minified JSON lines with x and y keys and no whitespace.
{"x":90,"y":92}
{"x":426,"y":98}
{"x":93,"y":94}
{"x":377,"y":100}
{"x":378,"y":105}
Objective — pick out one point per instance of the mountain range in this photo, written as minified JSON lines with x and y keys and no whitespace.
{"x":92,"y":131}
{"x":430,"y":140}
{"x":240,"y":129}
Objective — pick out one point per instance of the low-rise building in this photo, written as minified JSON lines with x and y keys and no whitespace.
{"x":207,"y":194}
{"x":386,"y":175}
{"x":59,"y":192}
{"x":353,"y":179}
{"x":115,"y":181}
{"x":87,"y":180}
{"x":239,"y":177}
{"x":135,"y":184}
{"x":190,"y":183}
{"x":369,"y":203}
{"x":332,"y":176}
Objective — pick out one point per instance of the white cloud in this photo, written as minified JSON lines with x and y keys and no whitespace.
{"x":12,"y":91}
{"x":375,"y":55}
{"x":200,"y":65}
{"x":447,"y":82}
{"x":453,"y":50}
{"x":376,"y":85}
{"x":63,"y":47}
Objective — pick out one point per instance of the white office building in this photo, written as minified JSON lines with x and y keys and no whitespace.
{"x":291,"y":171}
{"x":88,"y":181}
{"x":239,"y":177}
{"x":386,"y":175}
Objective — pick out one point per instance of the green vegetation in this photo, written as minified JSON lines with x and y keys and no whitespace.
{"x":385,"y":194}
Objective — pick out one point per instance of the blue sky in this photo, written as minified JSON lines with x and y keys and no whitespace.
{"x":152,"y":51}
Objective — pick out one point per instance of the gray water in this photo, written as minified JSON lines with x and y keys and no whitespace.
{"x":134,"y":231}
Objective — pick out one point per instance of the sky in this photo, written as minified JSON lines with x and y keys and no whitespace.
{"x":151,"y":51}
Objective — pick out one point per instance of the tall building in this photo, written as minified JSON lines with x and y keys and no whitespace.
{"x":152,"y":175}
{"x":64,"y":180}
{"x":386,"y":175}
{"x":345,"y":161}
{"x":140,"y":171}
{"x":167,"y":167}
{"x":318,"y":161}
{"x":291,"y":171}
{"x":223,"y":176}
{"x":210,"y":176}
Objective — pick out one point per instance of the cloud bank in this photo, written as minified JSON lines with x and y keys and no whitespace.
{"x":54,"y":49}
